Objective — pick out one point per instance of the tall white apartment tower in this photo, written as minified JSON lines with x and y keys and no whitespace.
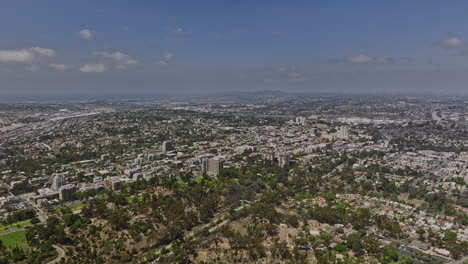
{"x":301,"y":120}
{"x":343,"y":133}
{"x":57,"y":182}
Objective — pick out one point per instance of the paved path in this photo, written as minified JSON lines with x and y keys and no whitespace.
{"x":61,"y":254}
{"x":13,"y":230}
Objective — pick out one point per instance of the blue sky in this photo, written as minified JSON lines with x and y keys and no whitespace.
{"x":64,"y":48}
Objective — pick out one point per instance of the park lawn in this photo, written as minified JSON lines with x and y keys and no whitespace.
{"x":139,"y":198}
{"x":19,"y":224}
{"x":76,"y":206}
{"x":73,"y":207}
{"x":14,"y":239}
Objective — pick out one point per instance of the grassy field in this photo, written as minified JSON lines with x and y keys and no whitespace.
{"x":20,"y":224}
{"x":76,"y":206}
{"x":139,"y":198}
{"x":15,"y":239}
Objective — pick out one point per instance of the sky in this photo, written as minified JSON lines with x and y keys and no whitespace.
{"x":150,"y":48}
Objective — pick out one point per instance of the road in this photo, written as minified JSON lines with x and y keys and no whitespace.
{"x":61,"y":254}
{"x":13,"y":230}
{"x":42,"y":217}
{"x":40,"y":213}
{"x":39,"y":127}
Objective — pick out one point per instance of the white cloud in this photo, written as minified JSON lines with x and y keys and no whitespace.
{"x":177,"y":31}
{"x":120,"y":59}
{"x":359,"y":59}
{"x":282,"y":74}
{"x":16,"y":56}
{"x":25,"y":55}
{"x":93,"y":68}
{"x":87,"y":34}
{"x":44,"y":52}
{"x":451,"y":43}
{"x":364,"y":59}
{"x":166,"y":58}
{"x":291,"y":73}
{"x":61,"y":67}
{"x":162,"y":62}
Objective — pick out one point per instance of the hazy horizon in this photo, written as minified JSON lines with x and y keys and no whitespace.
{"x":123,"y":49}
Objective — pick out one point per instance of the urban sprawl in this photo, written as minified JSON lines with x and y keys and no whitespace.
{"x":244,"y":178}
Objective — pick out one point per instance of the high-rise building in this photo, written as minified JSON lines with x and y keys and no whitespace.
{"x":301,"y":120}
{"x":66,"y":192}
{"x":57,"y":182}
{"x":212,"y":166}
{"x":284,"y":160}
{"x":167,"y":146}
{"x":270,"y":156}
{"x":137,"y":176}
{"x":343,"y":133}
{"x":113,"y":182}
{"x":205,"y":165}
